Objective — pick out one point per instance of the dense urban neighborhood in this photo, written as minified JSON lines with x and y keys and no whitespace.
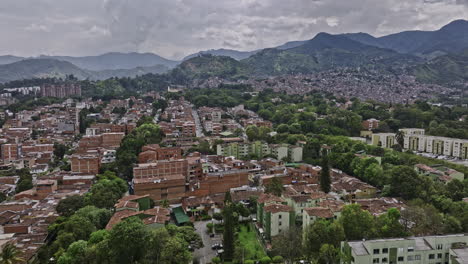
{"x":234,"y":132}
{"x":232,"y":174}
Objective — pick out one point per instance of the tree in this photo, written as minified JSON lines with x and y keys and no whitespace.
{"x":406,"y":183}
{"x":252,"y":132}
{"x":374,"y":175}
{"x":283,"y":128}
{"x":322,"y":232}
{"x":357,"y":223}
{"x":275,"y":187}
{"x":457,"y":190}
{"x":59,"y":150}
{"x":175,"y":252}
{"x":128,"y":241}
{"x":329,"y":254}
{"x":25,"y":181}
{"x":105,"y":193}
{"x":422,"y":219}
{"x":160,"y":104}
{"x":229,"y":227}
{"x":75,"y":254}
{"x":69,"y":205}
{"x":389,"y":224}
{"x":145,"y":120}
{"x":288,"y":244}
{"x":325,"y":181}
{"x":399,"y":137}
{"x":10,"y":254}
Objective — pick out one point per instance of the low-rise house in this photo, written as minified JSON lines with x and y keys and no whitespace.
{"x":439,"y":173}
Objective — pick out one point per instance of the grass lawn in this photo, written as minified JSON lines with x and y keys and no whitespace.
{"x":248,"y":239}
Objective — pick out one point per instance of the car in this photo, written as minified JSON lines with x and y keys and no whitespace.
{"x":212,"y":235}
{"x":254,"y":219}
{"x":215,"y":247}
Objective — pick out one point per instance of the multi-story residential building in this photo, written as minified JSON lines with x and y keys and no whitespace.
{"x":154,"y":152}
{"x":261,"y":149}
{"x":412,"y":250}
{"x":412,"y":131}
{"x":274,"y":216}
{"x":370,"y":124}
{"x":85,"y":164}
{"x":60,"y":90}
{"x":161,"y":169}
{"x":452,"y":147}
{"x":10,"y":152}
{"x":170,"y":187}
{"x":384,"y":140}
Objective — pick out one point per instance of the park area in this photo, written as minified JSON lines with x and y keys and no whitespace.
{"x":248,"y":242}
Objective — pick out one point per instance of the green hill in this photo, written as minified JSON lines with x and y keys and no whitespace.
{"x":40,"y":68}
{"x":207,"y":65}
{"x":325,"y":52}
{"x":444,"y":69}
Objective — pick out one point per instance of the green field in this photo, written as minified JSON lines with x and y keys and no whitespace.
{"x":252,"y":247}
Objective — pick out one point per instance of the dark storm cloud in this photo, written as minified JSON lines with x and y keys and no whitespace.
{"x":174,"y":28}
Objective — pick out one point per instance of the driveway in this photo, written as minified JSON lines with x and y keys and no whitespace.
{"x":205,"y":254}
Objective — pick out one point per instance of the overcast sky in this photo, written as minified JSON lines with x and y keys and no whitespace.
{"x":175,"y":28}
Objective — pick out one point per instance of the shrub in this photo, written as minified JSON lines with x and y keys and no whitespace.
{"x":278,"y":259}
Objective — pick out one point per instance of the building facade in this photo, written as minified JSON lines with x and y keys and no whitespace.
{"x":412,"y":250}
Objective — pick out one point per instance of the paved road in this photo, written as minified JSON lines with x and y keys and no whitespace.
{"x":205,"y":254}
{"x":199,"y":128}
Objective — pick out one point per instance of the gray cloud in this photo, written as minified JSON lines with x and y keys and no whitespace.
{"x":174,"y":28}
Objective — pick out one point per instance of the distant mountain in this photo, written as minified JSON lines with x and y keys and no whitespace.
{"x":116,"y":60}
{"x":207,"y":65}
{"x":450,"y":38}
{"x":291,"y":44}
{"x":444,"y":69}
{"x":39,"y":68}
{"x":235,"y":54}
{"x":7,"y":59}
{"x":46,"y":67}
{"x":105,"y":74}
{"x":324,"y":52}
{"x":240,"y":55}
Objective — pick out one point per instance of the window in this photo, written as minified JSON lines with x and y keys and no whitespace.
{"x":384,"y":250}
{"x":279,"y":216}
{"x":384,"y":260}
{"x":439,"y":256}
{"x":376,"y":260}
{"x":280,"y":223}
{"x":417,"y":257}
{"x":401,"y":250}
{"x":431,"y":256}
{"x":401,"y":258}
{"x":440,"y":246}
{"x":376,"y":251}
{"x":410,"y":249}
{"x":410,"y":258}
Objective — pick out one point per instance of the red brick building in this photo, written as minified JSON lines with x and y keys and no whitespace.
{"x":171,"y":187}
{"x":85,"y":164}
{"x":112,"y":140}
{"x":154,"y":152}
{"x":10,"y":152}
{"x":161,"y":169}
{"x":370,"y":124}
